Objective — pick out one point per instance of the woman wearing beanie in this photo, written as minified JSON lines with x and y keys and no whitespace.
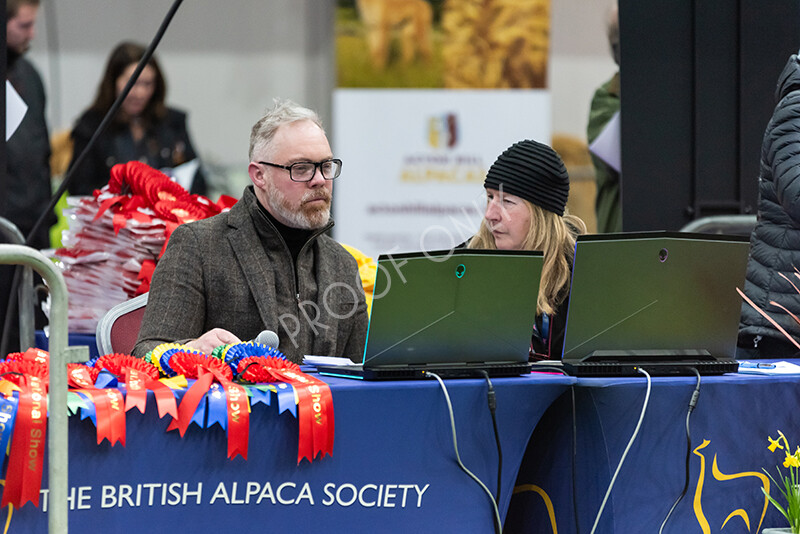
{"x":526,"y":190}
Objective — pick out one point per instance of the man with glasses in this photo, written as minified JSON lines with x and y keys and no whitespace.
{"x":267,"y":264}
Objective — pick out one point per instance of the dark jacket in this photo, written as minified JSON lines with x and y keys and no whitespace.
{"x":234,"y":271}
{"x":775,"y":241}
{"x":166,"y":144}
{"x":27,"y":180}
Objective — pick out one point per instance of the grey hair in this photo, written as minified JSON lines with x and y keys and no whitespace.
{"x":282,"y":112}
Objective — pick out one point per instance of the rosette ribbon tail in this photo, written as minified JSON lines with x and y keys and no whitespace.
{"x":25,"y":463}
{"x":314,"y":414}
{"x":136,"y":390}
{"x":238,"y":417}
{"x":190,"y":401}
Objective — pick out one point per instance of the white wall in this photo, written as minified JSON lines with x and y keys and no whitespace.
{"x":225,"y":61}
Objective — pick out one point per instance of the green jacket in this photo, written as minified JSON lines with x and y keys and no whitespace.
{"x":605,"y":104}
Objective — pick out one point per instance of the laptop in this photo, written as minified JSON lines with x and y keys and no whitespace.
{"x":457,"y":313}
{"x":661,"y":301}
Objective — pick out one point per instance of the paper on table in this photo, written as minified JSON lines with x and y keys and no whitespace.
{"x":15,"y":109}
{"x":606,"y":145}
{"x":769,"y":368}
{"x":326,"y":360}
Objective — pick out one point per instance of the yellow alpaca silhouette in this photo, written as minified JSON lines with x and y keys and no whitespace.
{"x":718,"y":475}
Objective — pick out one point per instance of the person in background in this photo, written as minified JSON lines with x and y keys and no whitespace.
{"x":526,"y":191}
{"x":144,"y":128}
{"x":605,"y":104}
{"x":267,"y":264}
{"x":775,"y":241}
{"x":27,"y":188}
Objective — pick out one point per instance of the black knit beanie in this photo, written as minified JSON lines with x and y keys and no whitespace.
{"x":532,"y":171}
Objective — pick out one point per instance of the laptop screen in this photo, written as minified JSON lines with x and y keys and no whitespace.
{"x":661,"y":292}
{"x":454,"y":306}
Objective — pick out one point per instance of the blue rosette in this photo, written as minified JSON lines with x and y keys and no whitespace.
{"x":167,"y":354}
{"x":239,"y":351}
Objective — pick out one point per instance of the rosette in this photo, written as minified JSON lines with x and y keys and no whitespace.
{"x":258,"y":369}
{"x":314,"y":401}
{"x":31,"y":355}
{"x":179,"y":210}
{"x":190,"y":364}
{"x":162,"y":189}
{"x":136,"y":373}
{"x":142,"y":178}
{"x":210,"y":208}
{"x":233,"y":354}
{"x":117,"y":363}
{"x":154,"y":356}
{"x":16,"y":371}
{"x":116,"y":178}
{"x":206,"y":370}
{"x":166,"y":358}
{"x":81,"y":375}
{"x":26,"y":457}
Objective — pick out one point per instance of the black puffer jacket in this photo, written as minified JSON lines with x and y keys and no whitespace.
{"x":775,"y":241}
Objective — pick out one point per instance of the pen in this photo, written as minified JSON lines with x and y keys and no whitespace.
{"x":752,"y":365}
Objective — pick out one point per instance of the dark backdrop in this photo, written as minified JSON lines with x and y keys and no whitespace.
{"x":698,"y":82}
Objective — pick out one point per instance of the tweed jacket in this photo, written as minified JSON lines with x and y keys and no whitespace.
{"x":234,"y":271}
{"x":775,"y":241}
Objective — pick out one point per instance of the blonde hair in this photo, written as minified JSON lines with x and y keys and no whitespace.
{"x":555,"y":236}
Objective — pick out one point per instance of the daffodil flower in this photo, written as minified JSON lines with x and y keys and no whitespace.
{"x":787,"y":483}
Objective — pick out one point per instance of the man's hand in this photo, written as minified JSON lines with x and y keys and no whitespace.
{"x":213,"y":339}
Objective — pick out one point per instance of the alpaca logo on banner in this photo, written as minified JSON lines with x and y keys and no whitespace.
{"x":443,"y":131}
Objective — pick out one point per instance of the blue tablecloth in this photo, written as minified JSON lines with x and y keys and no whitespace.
{"x":74,"y":340}
{"x":729,"y":429}
{"x":393,"y":467}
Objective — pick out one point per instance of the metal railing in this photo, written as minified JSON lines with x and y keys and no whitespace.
{"x":57,"y":431}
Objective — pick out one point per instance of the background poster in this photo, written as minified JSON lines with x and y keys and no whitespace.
{"x":467,"y":79}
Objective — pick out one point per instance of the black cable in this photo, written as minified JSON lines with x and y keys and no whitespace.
{"x":692,"y":405}
{"x":492,"y":400}
{"x":75,"y":164}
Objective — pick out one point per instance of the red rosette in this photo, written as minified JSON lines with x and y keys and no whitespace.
{"x":117,"y":363}
{"x":81,"y":370}
{"x":138,"y":175}
{"x":31,"y":355}
{"x":13,"y":371}
{"x":210,"y":208}
{"x":180,"y":211}
{"x":226,"y":202}
{"x":187,"y":364}
{"x":256,"y":369}
{"x":116,"y":179}
{"x":162,"y":188}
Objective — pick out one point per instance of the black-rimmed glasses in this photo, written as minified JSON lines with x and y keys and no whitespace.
{"x":304,"y":171}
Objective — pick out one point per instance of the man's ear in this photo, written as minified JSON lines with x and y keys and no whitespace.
{"x":256,"y":173}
